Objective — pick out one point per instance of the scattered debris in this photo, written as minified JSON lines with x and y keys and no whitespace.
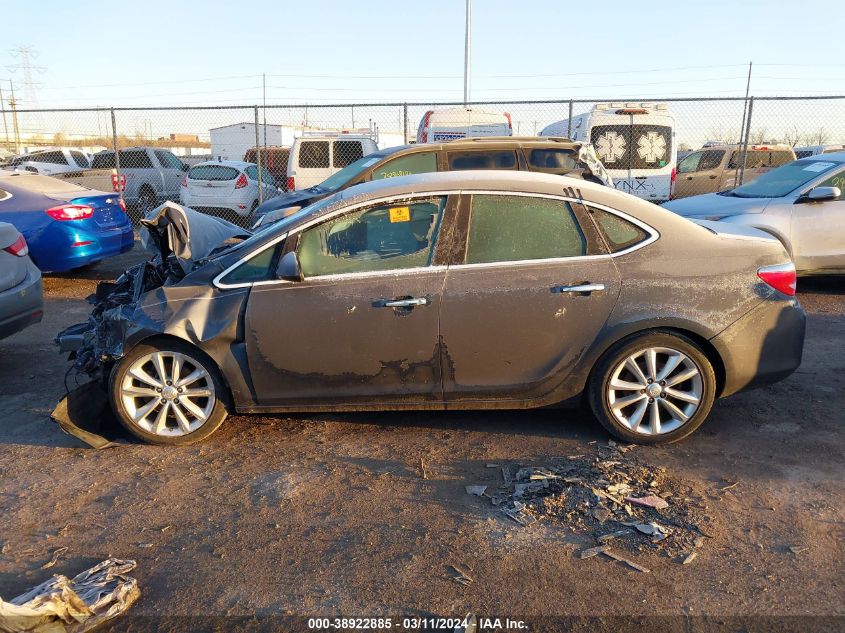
{"x":422,"y":468}
{"x":798,"y":549}
{"x":492,"y":465}
{"x":593,"y":551}
{"x":478,"y":491}
{"x":62,"y":605}
{"x":607,"y":495}
{"x":460,"y":576}
{"x":59,"y":552}
{"x":629,"y":563}
{"x":689,"y":558}
{"x":729,"y":486}
{"x":650,"y":501}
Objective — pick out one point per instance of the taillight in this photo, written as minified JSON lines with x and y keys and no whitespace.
{"x":426,"y":120}
{"x":118,"y":182}
{"x":18,"y":247}
{"x":185,"y":181}
{"x":70,"y":212}
{"x":122,"y":204}
{"x":241,"y":182}
{"x":672,"y":183}
{"x":781,"y":277}
{"x":510,"y":123}
{"x":674,"y":175}
{"x":291,"y":183}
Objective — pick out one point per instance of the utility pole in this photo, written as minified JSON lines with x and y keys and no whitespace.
{"x":14,"y":104}
{"x":5,"y":123}
{"x":743,"y":142}
{"x":467,"y":47}
{"x":264,"y":99}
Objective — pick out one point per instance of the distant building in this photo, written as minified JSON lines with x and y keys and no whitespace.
{"x":185,"y":138}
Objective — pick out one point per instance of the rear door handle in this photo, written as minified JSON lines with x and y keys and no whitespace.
{"x":581,"y":288}
{"x":411,"y":302}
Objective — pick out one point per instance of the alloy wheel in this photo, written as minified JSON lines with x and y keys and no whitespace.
{"x":167,"y":394}
{"x":655,"y":390}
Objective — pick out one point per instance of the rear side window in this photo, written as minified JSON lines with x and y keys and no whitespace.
{"x":212,"y":172}
{"x":314,"y":154}
{"x":618,"y":232}
{"x":518,"y":228}
{"x":761,"y":158}
{"x":556,"y":160}
{"x":54,"y":158}
{"x":346,"y":152}
{"x":135,"y":159}
{"x":104,"y":160}
{"x":80,"y":159}
{"x":418,"y":163}
{"x":482,"y":160}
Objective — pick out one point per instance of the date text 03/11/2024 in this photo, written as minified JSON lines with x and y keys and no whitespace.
{"x":467,"y":624}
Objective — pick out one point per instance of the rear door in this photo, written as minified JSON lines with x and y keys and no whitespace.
{"x":531,"y":293}
{"x":699,"y":173}
{"x":362,"y":326}
{"x":313,"y":163}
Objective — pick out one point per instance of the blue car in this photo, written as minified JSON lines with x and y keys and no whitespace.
{"x":66,"y":226}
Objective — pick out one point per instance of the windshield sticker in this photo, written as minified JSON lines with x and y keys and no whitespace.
{"x":400,"y":214}
{"x":818,"y":166}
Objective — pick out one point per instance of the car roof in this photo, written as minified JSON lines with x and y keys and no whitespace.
{"x":837,"y":157}
{"x":483,"y":142}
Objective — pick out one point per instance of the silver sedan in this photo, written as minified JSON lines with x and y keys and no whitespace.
{"x":801,"y":203}
{"x":20,"y":283}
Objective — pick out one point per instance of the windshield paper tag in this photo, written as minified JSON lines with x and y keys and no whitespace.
{"x":818,"y":166}
{"x":400,"y":214}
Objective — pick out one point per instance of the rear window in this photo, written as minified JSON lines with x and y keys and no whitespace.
{"x":556,"y":160}
{"x":54,"y":158}
{"x":212,"y":172}
{"x":618,"y":232}
{"x":346,"y":153}
{"x":482,"y":160}
{"x":314,"y":154}
{"x":633,"y":146}
{"x":45,"y":184}
{"x":129,"y":159}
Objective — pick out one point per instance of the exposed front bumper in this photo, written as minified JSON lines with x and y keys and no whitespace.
{"x":22,"y":305}
{"x":762,"y":347}
{"x":65,"y":246}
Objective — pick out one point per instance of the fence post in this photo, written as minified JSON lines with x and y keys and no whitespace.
{"x":569,"y":122}
{"x":116,"y":156}
{"x":405,"y":119}
{"x":258,"y":159}
{"x":745,"y":142}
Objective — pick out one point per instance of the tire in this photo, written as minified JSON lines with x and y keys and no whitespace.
{"x":680,"y":407}
{"x":146,"y":201}
{"x":187,"y":419}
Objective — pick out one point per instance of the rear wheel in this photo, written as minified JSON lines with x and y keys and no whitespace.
{"x":146,"y":201}
{"x":655,"y":388}
{"x":168,"y":394}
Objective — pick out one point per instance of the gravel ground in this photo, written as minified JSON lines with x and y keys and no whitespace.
{"x":367,"y":514}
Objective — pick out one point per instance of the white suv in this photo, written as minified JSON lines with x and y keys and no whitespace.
{"x":51,"y":161}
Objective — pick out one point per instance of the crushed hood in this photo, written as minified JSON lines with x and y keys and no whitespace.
{"x":189,"y":235}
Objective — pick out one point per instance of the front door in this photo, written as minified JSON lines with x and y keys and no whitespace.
{"x":362,"y":326}
{"x":818,"y":229}
{"x":529,"y":299}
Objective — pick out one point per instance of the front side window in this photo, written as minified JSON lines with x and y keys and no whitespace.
{"x":168,"y":160}
{"x":618,"y":232}
{"x":506,"y":228}
{"x":416,"y":163}
{"x":482,"y":160}
{"x":391,"y":236}
{"x":836,"y":180}
{"x":346,"y":153}
{"x":314,"y":154}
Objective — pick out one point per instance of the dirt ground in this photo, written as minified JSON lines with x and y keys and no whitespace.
{"x":334,"y":515}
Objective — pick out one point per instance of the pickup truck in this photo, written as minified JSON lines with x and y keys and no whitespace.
{"x":151,"y":176}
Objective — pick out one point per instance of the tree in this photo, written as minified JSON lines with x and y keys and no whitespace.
{"x":758,"y":136}
{"x":819,"y":137}
{"x":792,"y":137}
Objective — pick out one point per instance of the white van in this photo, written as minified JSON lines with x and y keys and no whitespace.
{"x":438,"y":126}
{"x":635,"y":141}
{"x":815,"y":150}
{"x":314,"y":158}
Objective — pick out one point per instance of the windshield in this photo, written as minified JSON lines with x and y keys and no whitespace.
{"x":339,"y":179}
{"x":783,"y":180}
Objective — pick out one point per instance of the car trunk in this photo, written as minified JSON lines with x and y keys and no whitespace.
{"x":12,"y":267}
{"x":212,"y":181}
{"x":107,"y":211}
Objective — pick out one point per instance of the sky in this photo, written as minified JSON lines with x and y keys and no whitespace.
{"x":326,"y":51}
{"x":88,"y":53}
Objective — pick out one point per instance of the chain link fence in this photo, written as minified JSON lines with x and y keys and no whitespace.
{"x":229,"y":160}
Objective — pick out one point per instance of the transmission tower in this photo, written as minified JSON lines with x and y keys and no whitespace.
{"x":26,"y":56}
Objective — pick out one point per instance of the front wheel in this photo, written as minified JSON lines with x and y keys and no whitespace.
{"x":167,"y":394}
{"x":652,"y":389}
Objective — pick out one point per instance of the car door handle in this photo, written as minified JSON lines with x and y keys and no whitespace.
{"x":581,"y":288}
{"x":411,"y":302}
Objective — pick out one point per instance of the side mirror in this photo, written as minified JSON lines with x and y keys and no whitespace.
{"x":288,"y":268}
{"x":823,"y":193}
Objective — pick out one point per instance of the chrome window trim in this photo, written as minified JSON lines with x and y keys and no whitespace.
{"x":653,"y":233}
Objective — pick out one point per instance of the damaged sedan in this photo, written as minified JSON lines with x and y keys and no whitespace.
{"x":457,"y":290}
